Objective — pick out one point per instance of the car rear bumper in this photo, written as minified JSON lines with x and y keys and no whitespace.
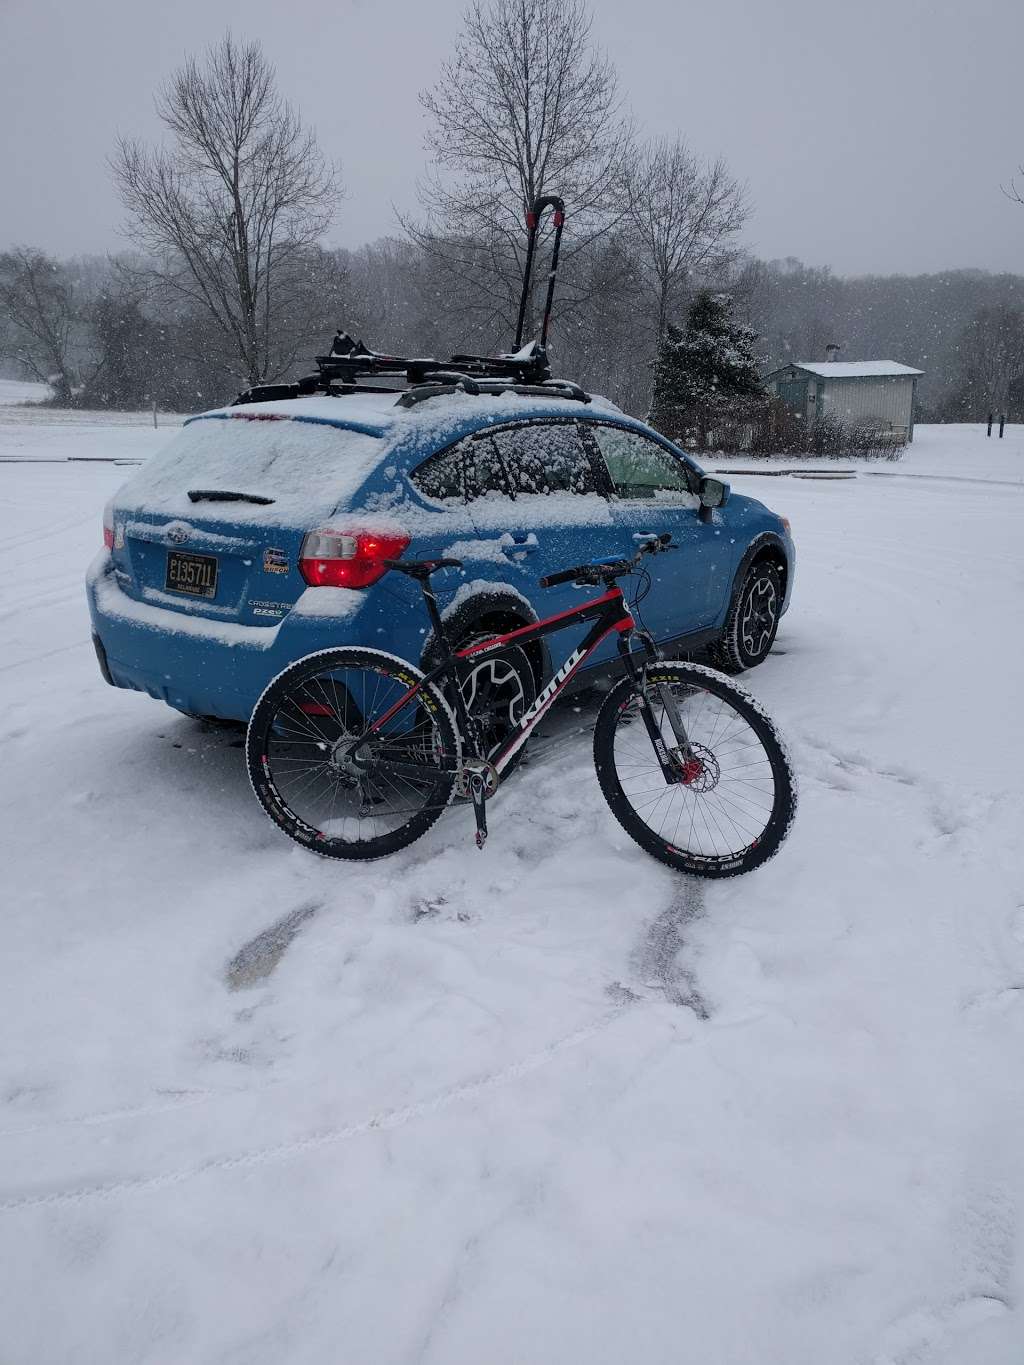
{"x":205,"y":667}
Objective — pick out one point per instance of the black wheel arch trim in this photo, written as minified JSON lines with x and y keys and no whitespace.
{"x":766,"y":540}
{"x":470,"y":615}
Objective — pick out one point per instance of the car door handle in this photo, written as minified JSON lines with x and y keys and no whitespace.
{"x":525,"y":544}
{"x":645,"y":535}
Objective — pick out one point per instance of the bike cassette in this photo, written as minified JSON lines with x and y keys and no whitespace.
{"x":477,"y":767}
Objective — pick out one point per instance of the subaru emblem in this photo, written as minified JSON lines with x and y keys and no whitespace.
{"x":177,"y":535}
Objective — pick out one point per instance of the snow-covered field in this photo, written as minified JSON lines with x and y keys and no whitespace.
{"x":550,"y":1103}
{"x":22,"y":391}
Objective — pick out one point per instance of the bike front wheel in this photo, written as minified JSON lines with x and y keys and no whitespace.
{"x":735,"y":799}
{"x":321,"y":746}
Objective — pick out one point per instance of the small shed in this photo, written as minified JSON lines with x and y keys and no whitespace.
{"x":874,"y":393}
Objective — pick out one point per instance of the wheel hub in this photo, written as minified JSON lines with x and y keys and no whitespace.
{"x":699,"y":770}
{"x":343,"y":761}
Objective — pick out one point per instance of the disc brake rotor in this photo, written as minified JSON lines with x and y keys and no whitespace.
{"x":700,"y":770}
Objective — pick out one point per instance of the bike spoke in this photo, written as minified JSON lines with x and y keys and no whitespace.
{"x":309,"y":754}
{"x":726,"y":807}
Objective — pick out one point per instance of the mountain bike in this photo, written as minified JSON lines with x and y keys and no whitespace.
{"x":355,"y":753}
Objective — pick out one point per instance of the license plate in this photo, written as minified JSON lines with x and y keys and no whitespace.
{"x":195,"y":575}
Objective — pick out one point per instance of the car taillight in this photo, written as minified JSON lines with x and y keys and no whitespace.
{"x":108,"y":526}
{"x":330,"y":559}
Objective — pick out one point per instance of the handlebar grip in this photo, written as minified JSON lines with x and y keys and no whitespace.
{"x":552,"y":580}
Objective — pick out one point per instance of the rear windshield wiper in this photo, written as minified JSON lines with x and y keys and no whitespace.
{"x":226,"y":495}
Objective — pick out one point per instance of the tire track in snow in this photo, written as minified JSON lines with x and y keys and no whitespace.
{"x":38,"y":658}
{"x":384,"y":1121}
{"x":171,"y":1105}
{"x":44,"y":531}
{"x":658,"y":956}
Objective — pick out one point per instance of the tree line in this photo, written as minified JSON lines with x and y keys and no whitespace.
{"x":227,"y":280}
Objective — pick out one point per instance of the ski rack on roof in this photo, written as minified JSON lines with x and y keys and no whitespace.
{"x":525,"y":371}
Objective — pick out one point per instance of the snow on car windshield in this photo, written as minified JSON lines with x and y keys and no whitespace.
{"x":306,"y":468}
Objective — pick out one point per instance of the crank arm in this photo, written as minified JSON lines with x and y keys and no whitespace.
{"x":478,"y":795}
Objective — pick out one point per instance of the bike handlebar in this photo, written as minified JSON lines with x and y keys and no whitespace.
{"x":594,"y":572}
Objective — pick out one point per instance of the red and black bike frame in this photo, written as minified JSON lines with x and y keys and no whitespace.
{"x":609,"y":614}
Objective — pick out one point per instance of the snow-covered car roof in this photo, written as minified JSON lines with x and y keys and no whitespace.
{"x":428,"y":425}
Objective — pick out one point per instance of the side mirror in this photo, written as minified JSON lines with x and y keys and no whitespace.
{"x":712,"y":493}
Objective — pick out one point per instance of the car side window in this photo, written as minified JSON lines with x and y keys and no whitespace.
{"x":441,"y":476}
{"x":485,"y":472}
{"x":545,"y":458}
{"x":639,"y":467}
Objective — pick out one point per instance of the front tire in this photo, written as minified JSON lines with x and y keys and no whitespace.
{"x":735,"y":807}
{"x":753,"y":621}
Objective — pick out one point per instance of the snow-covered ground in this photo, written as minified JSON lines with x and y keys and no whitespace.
{"x":550,"y":1103}
{"x":59,"y":434}
{"x":22,"y":391}
{"x":956,"y":451}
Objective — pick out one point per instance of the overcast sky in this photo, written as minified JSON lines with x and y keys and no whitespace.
{"x":874,"y":135}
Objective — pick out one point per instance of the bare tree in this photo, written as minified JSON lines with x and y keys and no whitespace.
{"x":233,"y":206}
{"x":525,"y":107}
{"x":40,"y":309}
{"x":991,"y":353}
{"x":684,"y":215}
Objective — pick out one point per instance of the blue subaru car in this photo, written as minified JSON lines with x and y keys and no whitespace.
{"x":257,"y":536}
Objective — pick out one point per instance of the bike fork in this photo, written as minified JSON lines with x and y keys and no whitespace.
{"x":670,"y":770}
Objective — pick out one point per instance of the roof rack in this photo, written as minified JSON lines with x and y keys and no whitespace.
{"x":524,"y":371}
{"x":549,"y":388}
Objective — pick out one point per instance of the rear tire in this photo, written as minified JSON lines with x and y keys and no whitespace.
{"x":735,"y":813}
{"x":296,"y":754}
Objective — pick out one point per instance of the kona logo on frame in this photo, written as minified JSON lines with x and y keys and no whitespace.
{"x":545,"y":696}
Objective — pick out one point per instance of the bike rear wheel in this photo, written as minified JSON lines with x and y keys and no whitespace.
{"x":336,"y":800}
{"x":737,"y":799}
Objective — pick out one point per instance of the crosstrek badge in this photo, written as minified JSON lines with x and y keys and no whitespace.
{"x":276,"y":609}
{"x":275,"y":561}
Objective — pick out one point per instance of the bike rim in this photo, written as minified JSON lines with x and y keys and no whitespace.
{"x":307,"y":759}
{"x":725,"y":808}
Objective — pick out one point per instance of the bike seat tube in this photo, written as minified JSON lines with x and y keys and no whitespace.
{"x":435,"y":616}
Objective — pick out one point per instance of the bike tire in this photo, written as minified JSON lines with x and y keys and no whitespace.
{"x":629,"y":778}
{"x":331,"y":675}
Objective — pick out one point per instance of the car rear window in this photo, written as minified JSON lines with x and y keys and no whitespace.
{"x":305,"y":468}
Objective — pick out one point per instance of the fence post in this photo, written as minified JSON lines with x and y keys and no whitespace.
{"x":1002,"y":423}
{"x":989,"y":432}
{"x":154,"y":412}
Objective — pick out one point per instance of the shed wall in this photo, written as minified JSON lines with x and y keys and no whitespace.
{"x":886,"y":402}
